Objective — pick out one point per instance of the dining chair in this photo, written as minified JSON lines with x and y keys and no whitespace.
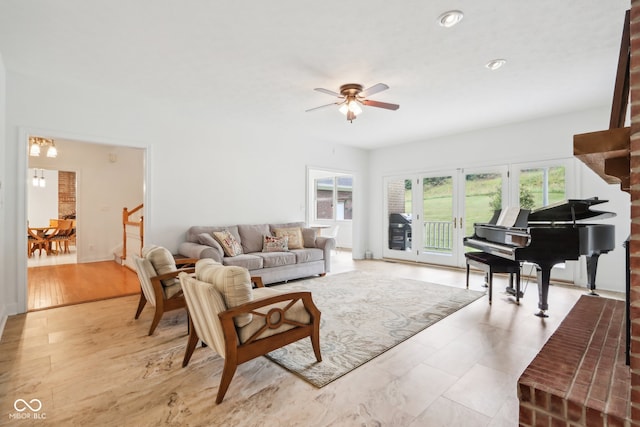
{"x":61,"y":236}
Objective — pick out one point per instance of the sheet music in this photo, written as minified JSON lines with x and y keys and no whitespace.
{"x":508,"y":216}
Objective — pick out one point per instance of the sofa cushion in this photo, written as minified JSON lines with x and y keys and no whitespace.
{"x":234,"y":283}
{"x":296,"y":313}
{"x":309,"y":237}
{"x":308,"y":255}
{"x":275,"y":244}
{"x":229,"y":243}
{"x":251,"y":237}
{"x":275,"y":259}
{"x":293,"y":233}
{"x":248,"y":261}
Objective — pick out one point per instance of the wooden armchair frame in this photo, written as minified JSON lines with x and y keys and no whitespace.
{"x":236,"y":353}
{"x":163,"y":304}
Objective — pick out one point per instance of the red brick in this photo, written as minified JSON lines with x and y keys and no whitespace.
{"x":574,"y":411}
{"x":526,"y":416}
{"x":558,"y":422}
{"x":556,"y":405}
{"x":541,"y":399}
{"x":542,"y":419}
{"x":613,"y":421}
{"x":594,"y":418}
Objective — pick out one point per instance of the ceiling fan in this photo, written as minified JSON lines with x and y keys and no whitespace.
{"x":352,"y":96}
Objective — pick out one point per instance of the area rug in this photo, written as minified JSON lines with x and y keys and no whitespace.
{"x":364,"y":315}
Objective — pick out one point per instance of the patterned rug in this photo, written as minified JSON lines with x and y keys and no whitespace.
{"x":364,"y":315}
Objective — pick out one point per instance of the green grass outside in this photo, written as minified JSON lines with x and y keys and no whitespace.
{"x":480,"y":190}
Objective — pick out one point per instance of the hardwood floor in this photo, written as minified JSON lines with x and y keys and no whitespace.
{"x":59,"y":285}
{"x":93,"y":364}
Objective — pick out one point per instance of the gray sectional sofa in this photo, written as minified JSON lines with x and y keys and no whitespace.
{"x":309,"y":255}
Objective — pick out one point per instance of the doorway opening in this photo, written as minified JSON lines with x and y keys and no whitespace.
{"x":88,"y":184}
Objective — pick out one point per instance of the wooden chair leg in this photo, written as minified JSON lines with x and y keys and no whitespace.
{"x":141,"y":304}
{"x":227,"y":375}
{"x":315,"y":343}
{"x":191,"y":346}
{"x":156,"y":319}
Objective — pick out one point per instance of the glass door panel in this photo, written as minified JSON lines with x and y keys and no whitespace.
{"x":542,"y":185}
{"x":399,"y":218}
{"x":436,"y":223}
{"x":485,"y":191}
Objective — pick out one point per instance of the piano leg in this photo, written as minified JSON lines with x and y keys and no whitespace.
{"x":544,"y":276}
{"x":592,"y":266}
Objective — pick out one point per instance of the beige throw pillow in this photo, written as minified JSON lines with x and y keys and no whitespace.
{"x":294,"y":234}
{"x":230,"y":245}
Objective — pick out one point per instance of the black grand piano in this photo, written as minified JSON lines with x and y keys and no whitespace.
{"x":549,"y":236}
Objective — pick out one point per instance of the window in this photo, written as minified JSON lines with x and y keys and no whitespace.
{"x":542,"y":186}
{"x":334,"y":198}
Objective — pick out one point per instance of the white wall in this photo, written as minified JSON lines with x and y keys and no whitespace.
{"x":202,"y":169}
{"x":42,"y":202}
{"x":5,"y":241}
{"x":543,"y":139}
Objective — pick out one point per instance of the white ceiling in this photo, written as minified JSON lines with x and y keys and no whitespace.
{"x":257,"y":62}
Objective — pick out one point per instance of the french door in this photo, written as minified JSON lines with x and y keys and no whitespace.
{"x":428,"y":215}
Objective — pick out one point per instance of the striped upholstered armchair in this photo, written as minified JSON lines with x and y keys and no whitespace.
{"x":241,"y":322}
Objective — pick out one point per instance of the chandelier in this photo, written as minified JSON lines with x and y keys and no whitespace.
{"x":37,"y":143}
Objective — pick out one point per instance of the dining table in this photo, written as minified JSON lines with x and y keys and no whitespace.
{"x":44,"y":232}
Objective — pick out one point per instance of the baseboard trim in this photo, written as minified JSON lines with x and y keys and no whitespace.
{"x":3,"y":319}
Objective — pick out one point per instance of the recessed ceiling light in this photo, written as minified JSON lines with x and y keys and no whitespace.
{"x":450,"y":18}
{"x":494,"y":64}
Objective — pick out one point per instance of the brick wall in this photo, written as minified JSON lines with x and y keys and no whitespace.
{"x":396,"y":196}
{"x":66,"y":194}
{"x":634,"y":245}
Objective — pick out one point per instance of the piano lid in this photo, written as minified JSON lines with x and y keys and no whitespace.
{"x":569,"y":211}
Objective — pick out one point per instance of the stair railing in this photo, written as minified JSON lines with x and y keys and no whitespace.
{"x":126,"y":221}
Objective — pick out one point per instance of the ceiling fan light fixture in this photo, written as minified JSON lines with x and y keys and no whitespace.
{"x":450,"y":18}
{"x":354,"y":107}
{"x":495,"y":64}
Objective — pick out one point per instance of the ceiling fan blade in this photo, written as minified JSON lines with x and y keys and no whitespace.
{"x":373,"y":89}
{"x":328,"y":92}
{"x":322,"y":106}
{"x":379,"y":104}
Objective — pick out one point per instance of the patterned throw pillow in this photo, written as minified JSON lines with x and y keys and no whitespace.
{"x":294,"y":234}
{"x":230,"y":245}
{"x":275,"y":244}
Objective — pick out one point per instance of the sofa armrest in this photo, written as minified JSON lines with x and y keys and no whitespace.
{"x":327,"y":244}
{"x":196,"y":250}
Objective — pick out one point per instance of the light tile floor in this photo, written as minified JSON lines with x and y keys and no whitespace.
{"x":93,"y":364}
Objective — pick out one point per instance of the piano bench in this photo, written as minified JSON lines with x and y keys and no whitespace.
{"x":494,"y":264}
